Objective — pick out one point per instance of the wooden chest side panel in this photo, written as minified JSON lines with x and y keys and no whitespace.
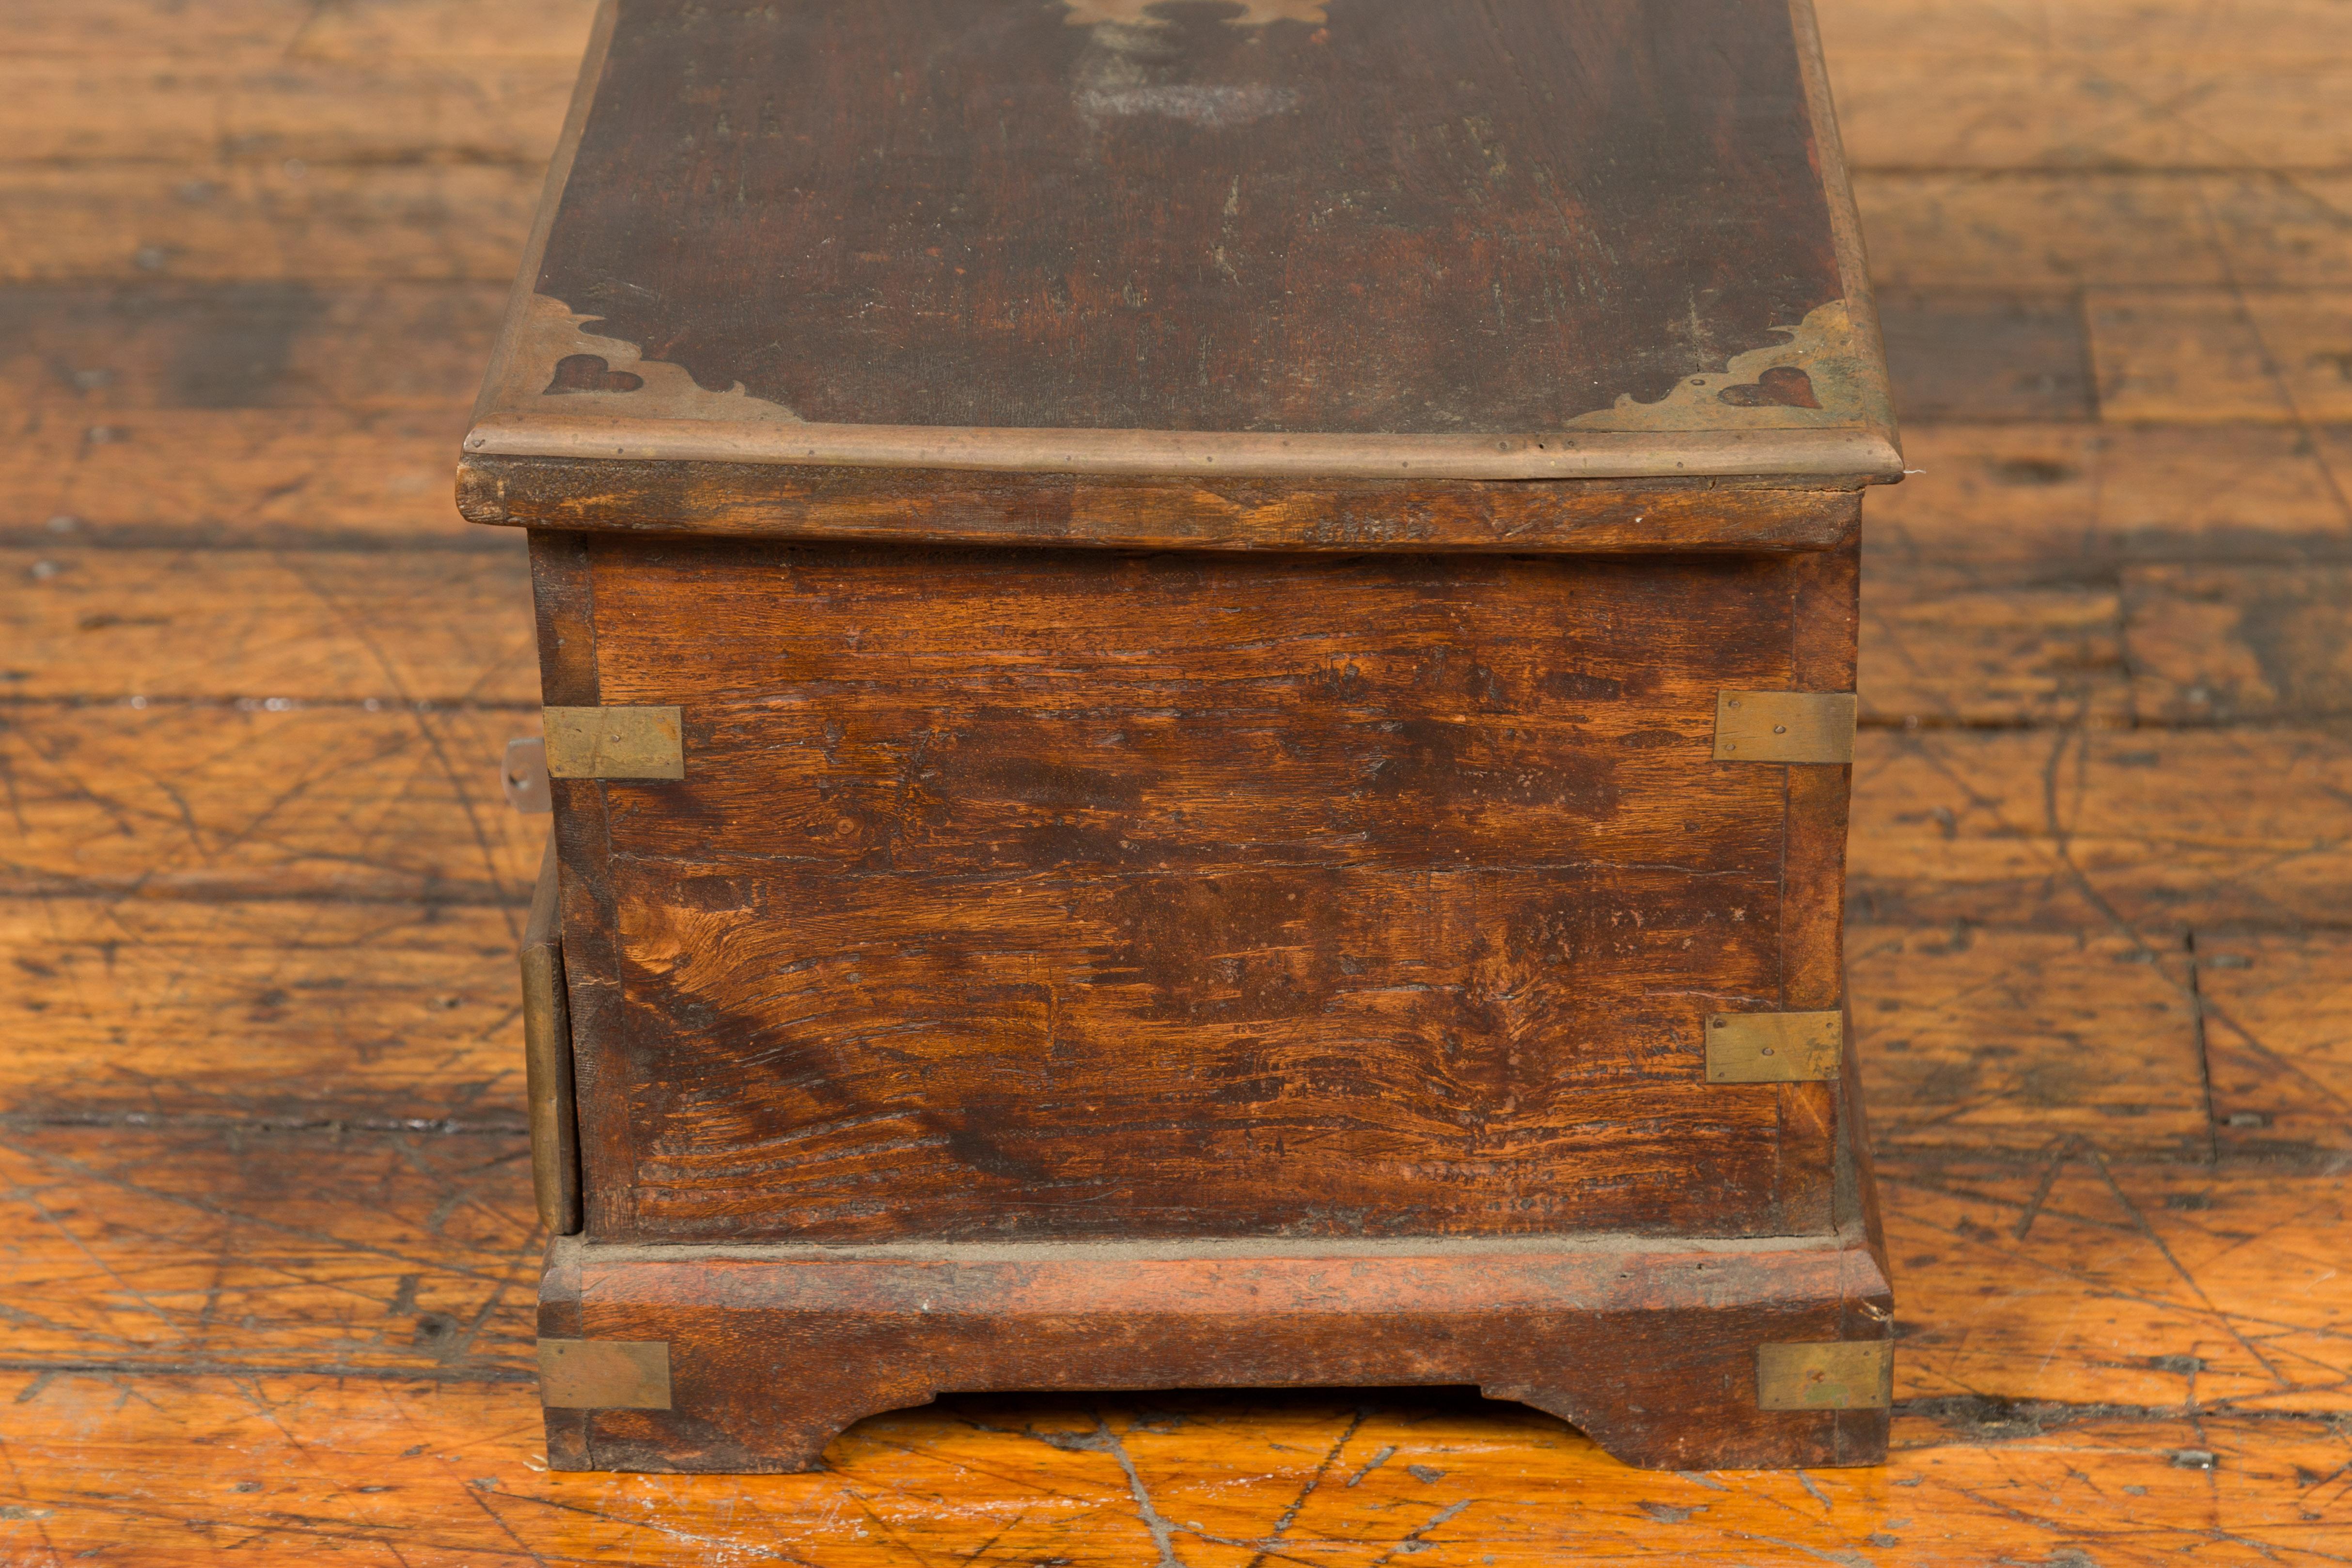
{"x":1350,"y":1051}
{"x":967,"y":711}
{"x":1058,"y":894}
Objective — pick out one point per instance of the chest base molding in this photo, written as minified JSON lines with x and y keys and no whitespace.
{"x":1664,"y":1352}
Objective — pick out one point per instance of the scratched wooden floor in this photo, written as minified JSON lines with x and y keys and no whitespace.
{"x":267,"y":1252}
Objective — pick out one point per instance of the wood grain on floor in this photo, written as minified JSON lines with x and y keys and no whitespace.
{"x":267,"y":1253}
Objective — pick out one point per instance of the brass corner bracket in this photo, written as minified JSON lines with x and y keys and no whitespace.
{"x":616,"y":743}
{"x":1831,"y":1374}
{"x":603,"y":1375}
{"x":1774,"y":1047}
{"x":1784,"y":727}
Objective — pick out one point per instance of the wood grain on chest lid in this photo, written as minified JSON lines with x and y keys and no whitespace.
{"x":1370,"y":239}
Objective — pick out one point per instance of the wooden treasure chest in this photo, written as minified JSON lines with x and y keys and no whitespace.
{"x":1199,"y":662}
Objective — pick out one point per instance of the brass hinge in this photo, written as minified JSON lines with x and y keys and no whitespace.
{"x":615,"y":743}
{"x":1774,"y":1047}
{"x":547,"y":1060}
{"x":603,"y":1375}
{"x":1832,"y":1374}
{"x":1784,"y":726}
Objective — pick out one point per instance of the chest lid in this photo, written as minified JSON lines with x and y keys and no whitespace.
{"x":879,"y":244}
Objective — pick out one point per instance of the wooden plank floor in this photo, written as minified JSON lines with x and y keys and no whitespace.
{"x":267,"y":1255}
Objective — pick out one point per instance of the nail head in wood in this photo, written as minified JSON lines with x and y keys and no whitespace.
{"x":603,"y":1375}
{"x":1784,"y":727}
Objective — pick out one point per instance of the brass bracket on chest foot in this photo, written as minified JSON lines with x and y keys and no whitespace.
{"x":603,"y":1375}
{"x":1670,"y":1354}
{"x":1837,"y":1375}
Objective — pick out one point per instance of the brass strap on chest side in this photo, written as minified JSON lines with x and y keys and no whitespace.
{"x":1774,"y":1047}
{"x":1784,"y":727}
{"x":616,"y":742}
{"x":547,"y":1060}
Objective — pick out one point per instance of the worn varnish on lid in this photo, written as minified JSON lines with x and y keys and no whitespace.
{"x":1093,"y":271}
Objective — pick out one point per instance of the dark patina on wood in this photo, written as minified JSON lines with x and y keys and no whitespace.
{"x":1364,"y":215}
{"x":1190,"y":649}
{"x":1163,"y":239}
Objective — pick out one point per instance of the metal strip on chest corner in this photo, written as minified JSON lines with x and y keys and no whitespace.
{"x":603,"y":1375}
{"x":1774,"y":1047}
{"x":1784,"y":727}
{"x":616,"y":742}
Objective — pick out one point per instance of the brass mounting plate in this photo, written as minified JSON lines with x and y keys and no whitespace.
{"x":1833,"y":1374}
{"x":1784,"y":726}
{"x":1774,"y":1047}
{"x":524,"y":777}
{"x":603,"y":1375}
{"x":616,"y":743}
